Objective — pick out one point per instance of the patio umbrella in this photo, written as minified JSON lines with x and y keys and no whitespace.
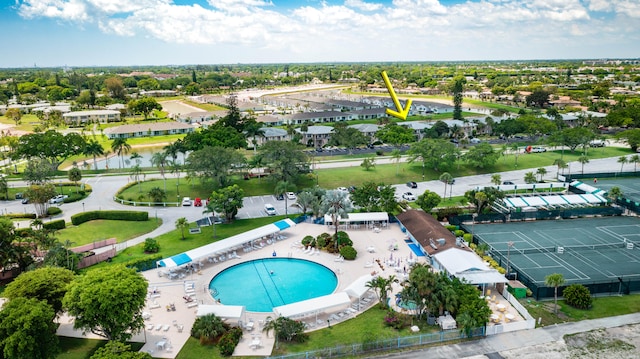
{"x":391,"y":256}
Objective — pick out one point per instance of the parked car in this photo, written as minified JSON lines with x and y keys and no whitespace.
{"x":58,"y":199}
{"x":270,"y":209}
{"x":343,"y":189}
{"x":507,"y":183}
{"x":597,"y":143}
{"x":291,"y":196}
{"x":538,"y":149}
{"x":475,"y":140}
{"x":186,"y":201}
{"x":408,"y":196}
{"x":412,"y":184}
{"x":197,"y":202}
{"x":25,"y":200}
{"x":279,"y":196}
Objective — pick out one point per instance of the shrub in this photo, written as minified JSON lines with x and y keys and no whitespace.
{"x":307,"y":240}
{"x":458,"y":233}
{"x":529,"y":292}
{"x":348,"y":252}
{"x":446,"y":212}
{"x":52,"y":211}
{"x":151,"y":246}
{"x":395,"y":320}
{"x":145,"y":263}
{"x":451,"y":227}
{"x":229,"y":340}
{"x":58,"y":224}
{"x":468,"y":237}
{"x":80,"y":218}
{"x":321,"y":242}
{"x":577,"y":296}
{"x":20,"y":215}
{"x":344,"y":239}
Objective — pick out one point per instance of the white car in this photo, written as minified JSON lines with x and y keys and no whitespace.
{"x":291,"y":196}
{"x":408,"y":196}
{"x":186,"y":201}
{"x":270,"y":209}
{"x":343,"y":189}
{"x":58,"y":199}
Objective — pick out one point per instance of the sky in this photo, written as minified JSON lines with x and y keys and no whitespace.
{"x":51,"y":33}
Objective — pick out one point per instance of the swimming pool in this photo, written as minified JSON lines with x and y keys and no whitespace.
{"x":414,"y":247}
{"x":262,"y":284}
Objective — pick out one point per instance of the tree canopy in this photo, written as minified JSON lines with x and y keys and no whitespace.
{"x":286,"y":160}
{"x":481,"y":155}
{"x":108,"y":302}
{"x":47,"y":283}
{"x":436,"y":154}
{"x":213,"y":164}
{"x":227,"y":201}
{"x":27,"y":330}
{"x":52,"y":145}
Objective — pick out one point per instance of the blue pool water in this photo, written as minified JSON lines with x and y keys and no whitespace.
{"x":262,"y":284}
{"x":416,"y":250}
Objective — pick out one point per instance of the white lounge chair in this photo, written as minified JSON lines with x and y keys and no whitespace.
{"x":166,"y":327}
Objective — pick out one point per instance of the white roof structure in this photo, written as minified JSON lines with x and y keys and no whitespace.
{"x":359,"y":287}
{"x":468,"y":266}
{"x":551,"y":201}
{"x":313,"y":306}
{"x":587,"y":188}
{"x":531,"y":186}
{"x":233,"y":312}
{"x":361,"y":217}
{"x":225,"y":245}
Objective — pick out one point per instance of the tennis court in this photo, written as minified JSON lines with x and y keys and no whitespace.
{"x":586,"y":251}
{"x":630,"y":186}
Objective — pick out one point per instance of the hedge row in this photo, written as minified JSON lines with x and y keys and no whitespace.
{"x":143,"y":264}
{"x":80,"y":218}
{"x":57,"y":224}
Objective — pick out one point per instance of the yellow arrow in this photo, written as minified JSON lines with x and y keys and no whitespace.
{"x":401,"y":113}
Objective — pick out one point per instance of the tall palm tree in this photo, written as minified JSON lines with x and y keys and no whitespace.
{"x":382,"y":287}
{"x":396,"y":155}
{"x":94,"y":149}
{"x":159,"y":159}
{"x":634,"y":159}
{"x":445,"y":178}
{"x":583,"y":160}
{"x":136,"y":157}
{"x":252,"y":130}
{"x":182,"y":224}
{"x":622,"y":160}
{"x":120,"y":147}
{"x":282,"y":188}
{"x":336,"y":205}
{"x":560,"y":163}
{"x":541,"y":172}
{"x":496,"y":179}
{"x":554,"y":280}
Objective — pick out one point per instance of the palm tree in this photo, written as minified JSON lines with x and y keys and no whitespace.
{"x":156,"y":194}
{"x":634,"y":159}
{"x":182,"y":224}
{"x":136,"y":157}
{"x":554,"y":280}
{"x":614,"y":192}
{"x":106,"y":155}
{"x":496,"y":179}
{"x":560,"y":163}
{"x":120,"y":147}
{"x":335,"y":204}
{"x":583,"y":160}
{"x":252,"y":130}
{"x":515,"y":149}
{"x":529,"y":178}
{"x":541,"y":172}
{"x":94,"y":149}
{"x":208,"y":327}
{"x":381,"y":286}
{"x":281,"y":189}
{"x":622,"y":160}
{"x":396,"y":155}
{"x":445,"y":178}
{"x":269,"y":325}
{"x":159,"y":159}
{"x":135,"y":173}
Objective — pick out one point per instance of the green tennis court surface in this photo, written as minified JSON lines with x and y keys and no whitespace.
{"x":594,"y":250}
{"x":629,"y":186}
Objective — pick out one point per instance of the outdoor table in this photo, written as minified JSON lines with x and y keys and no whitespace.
{"x":250,"y":326}
{"x":494,"y":317}
{"x":501,"y":307}
{"x":510,"y":316}
{"x":255,"y":343}
{"x":161,"y":344}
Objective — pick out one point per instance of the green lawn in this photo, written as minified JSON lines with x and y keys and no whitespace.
{"x":80,"y":348}
{"x":104,"y":229}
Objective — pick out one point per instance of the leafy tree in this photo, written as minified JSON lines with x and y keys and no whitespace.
{"x":93,"y":149}
{"x":75,"y":175}
{"x":374,"y":197}
{"x":227,"y":201}
{"x":631,"y":137}
{"x":285,"y":329}
{"x":182,"y":224}
{"x":530,"y":177}
{"x":38,"y":171}
{"x":117,"y":350}
{"x":573,"y":137}
{"x":347,"y":137}
{"x":428,"y":200}
{"x":577,"y":296}
{"x":368,"y":163}
{"x":157,"y":194}
{"x":208,"y":328}
{"x":445,"y":178}
{"x":27,"y":330}
{"x":4,"y":187}
{"x":286,"y":160}
{"x":151,"y":245}
{"x":48,"y":284}
{"x":120,"y":147}
{"x":438,"y":154}
{"x":336,"y":205}
{"x":40,"y":195}
{"x":395,"y":135}
{"x":492,"y":195}
{"x":614,"y":192}
{"x":538,"y":98}
{"x":482,"y":155}
{"x":554,"y":280}
{"x":216,"y":135}
{"x":51,"y":145}
{"x":496,"y":179}
{"x":144,"y":105}
{"x":115,"y":87}
{"x":14,"y":114}
{"x":456,"y":89}
{"x":213,"y":164}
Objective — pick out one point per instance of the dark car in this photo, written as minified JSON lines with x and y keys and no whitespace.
{"x":25,"y":200}
{"x":507,"y":183}
{"x":412,"y":184}
{"x":279,"y":197}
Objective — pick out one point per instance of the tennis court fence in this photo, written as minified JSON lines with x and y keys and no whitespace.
{"x":561,"y":249}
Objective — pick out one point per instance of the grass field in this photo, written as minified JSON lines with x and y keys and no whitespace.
{"x":104,"y":229}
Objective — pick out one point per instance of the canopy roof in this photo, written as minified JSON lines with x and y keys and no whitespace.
{"x":361,"y":217}
{"x":233,"y":312}
{"x":468,"y":266}
{"x":358,"y":288}
{"x":313,"y":306}
{"x":551,"y":201}
{"x":227,"y":244}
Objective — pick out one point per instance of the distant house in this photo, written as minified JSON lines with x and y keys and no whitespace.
{"x":316,"y":136}
{"x":271,"y":134}
{"x":317,"y":117}
{"x":148,"y":130}
{"x":369,"y":113}
{"x":91,"y":116}
{"x":367,"y":129}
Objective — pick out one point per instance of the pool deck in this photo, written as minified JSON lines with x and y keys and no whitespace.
{"x":169,"y":330}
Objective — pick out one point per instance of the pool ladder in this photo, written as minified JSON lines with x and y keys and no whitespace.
{"x":214,"y":292}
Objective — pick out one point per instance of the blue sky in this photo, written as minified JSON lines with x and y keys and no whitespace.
{"x":175,"y":32}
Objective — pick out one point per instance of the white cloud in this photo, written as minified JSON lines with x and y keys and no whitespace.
{"x":361,"y":5}
{"x":72,"y":10}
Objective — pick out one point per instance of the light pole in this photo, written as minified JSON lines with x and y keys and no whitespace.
{"x":509,"y":245}
{"x":451,"y":190}
{"x":178,"y":190}
{"x":82,"y":206}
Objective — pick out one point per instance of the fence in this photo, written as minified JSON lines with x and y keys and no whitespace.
{"x":628,"y":204}
{"x":146,"y":204}
{"x":94,"y":245}
{"x":576,"y":176}
{"x":386,"y":344}
{"x":96,"y":258}
{"x":537,"y":215}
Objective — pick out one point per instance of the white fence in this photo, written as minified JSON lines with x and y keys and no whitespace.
{"x":527,"y":323}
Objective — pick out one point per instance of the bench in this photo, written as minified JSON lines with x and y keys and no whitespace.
{"x":195,"y":230}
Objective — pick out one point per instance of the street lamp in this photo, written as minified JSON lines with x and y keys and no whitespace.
{"x":82,"y":206}
{"x":178,"y":190}
{"x":509,"y":245}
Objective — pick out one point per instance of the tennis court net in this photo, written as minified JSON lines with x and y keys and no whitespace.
{"x":577,"y":248}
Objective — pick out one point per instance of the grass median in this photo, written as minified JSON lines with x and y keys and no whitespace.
{"x":100,"y":229}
